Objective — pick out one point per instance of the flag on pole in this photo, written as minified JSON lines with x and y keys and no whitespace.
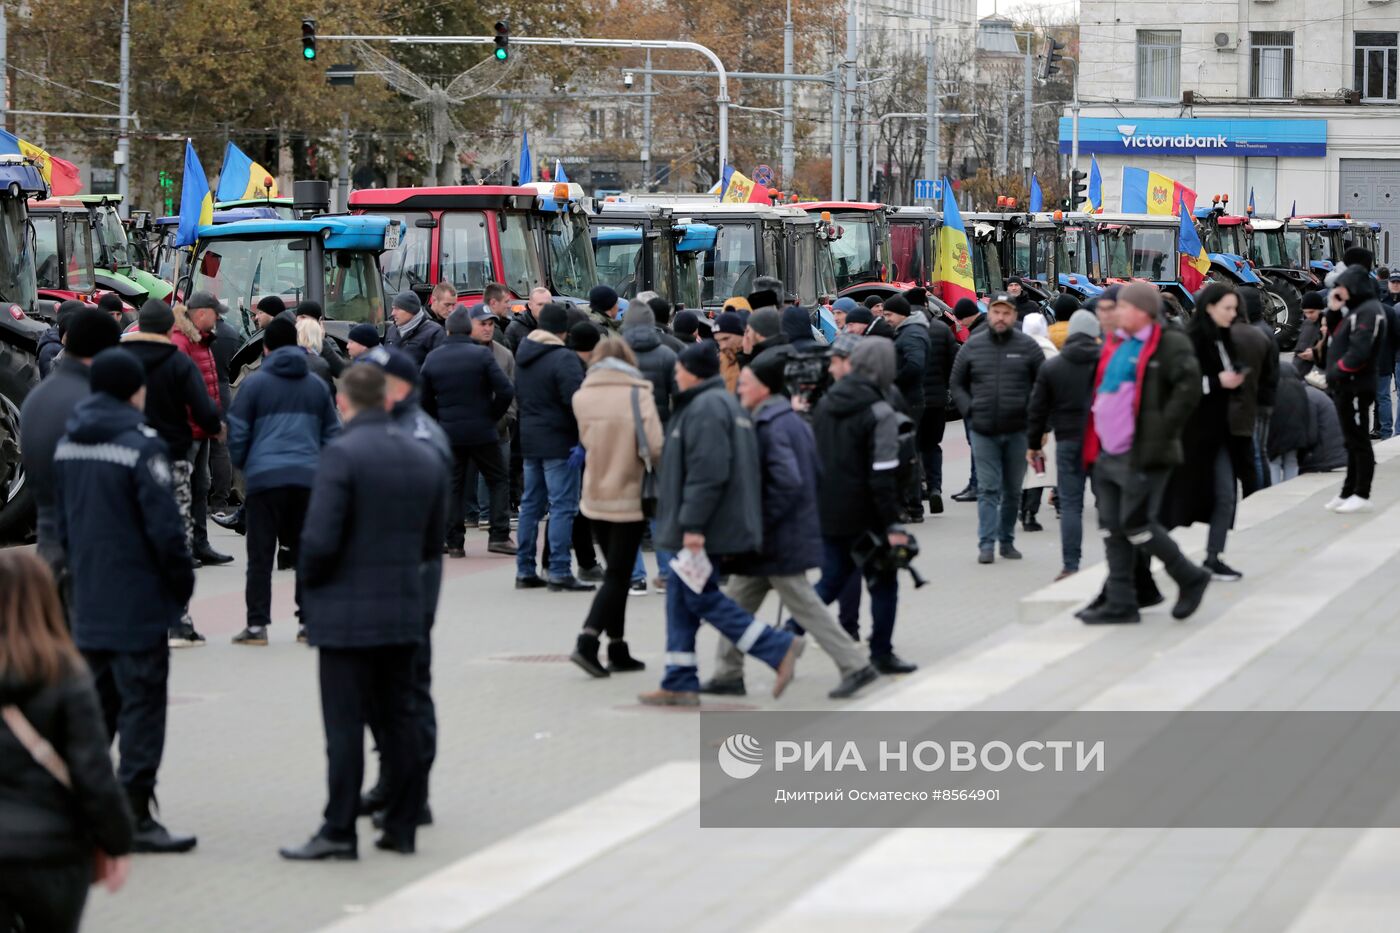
{"x":62,"y":176}
{"x":741,"y":189}
{"x":527,"y":169}
{"x":1251,"y":201}
{"x":1094,"y":200}
{"x":1193,"y":262}
{"x":241,"y":178}
{"x":559,"y":172}
{"x":1293,"y":211}
{"x":1037,"y":196}
{"x":196,"y":203}
{"x":1147,"y":192}
{"x":952,"y":269}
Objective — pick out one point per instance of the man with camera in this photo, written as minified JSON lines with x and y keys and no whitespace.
{"x":788,"y":464}
{"x":858,"y":444}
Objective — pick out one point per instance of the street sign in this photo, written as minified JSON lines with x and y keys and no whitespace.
{"x":763,"y":175}
{"x":927,"y":189}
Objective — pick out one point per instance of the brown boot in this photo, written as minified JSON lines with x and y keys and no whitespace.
{"x":669,"y":698}
{"x":788,"y":666}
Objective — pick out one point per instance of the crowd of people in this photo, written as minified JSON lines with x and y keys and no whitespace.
{"x":744,"y":451}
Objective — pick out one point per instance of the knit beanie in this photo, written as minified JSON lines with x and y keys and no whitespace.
{"x":701,"y":359}
{"x":1084,"y":322}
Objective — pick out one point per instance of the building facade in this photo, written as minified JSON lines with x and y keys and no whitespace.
{"x":1293,"y":100}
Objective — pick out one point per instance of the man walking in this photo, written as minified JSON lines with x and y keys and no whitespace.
{"x":791,"y":536}
{"x":412,"y":331}
{"x":547,"y":375}
{"x":1060,"y":403}
{"x":468,"y":393}
{"x":1147,"y":384}
{"x":132,"y":574}
{"x":911,"y":349}
{"x":709,"y":490}
{"x":376,"y":517}
{"x":177,"y":399}
{"x":281,"y":418}
{"x":991,"y":383}
{"x":1351,"y":375}
{"x":194,"y":336}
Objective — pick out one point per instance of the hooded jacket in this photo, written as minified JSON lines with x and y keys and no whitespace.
{"x":1329,"y":451}
{"x":655,"y":359}
{"x":547,"y":374}
{"x":992,"y":379}
{"x":787,"y":452}
{"x":1293,"y":427}
{"x":1354,"y":346}
{"x":709,"y":479}
{"x":177,"y":396}
{"x":797,"y":328}
{"x":911,"y":347}
{"x":1064,"y":389}
{"x":607,"y":428}
{"x":419,"y":337}
{"x":120,"y":527}
{"x":857,"y":437}
{"x":281,"y":418}
{"x":199,"y":348}
{"x":40,"y":820}
{"x":465,"y":389}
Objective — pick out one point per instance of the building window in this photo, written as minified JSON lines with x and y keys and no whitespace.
{"x":1271,"y":65}
{"x":1159,"y":64}
{"x":1376,"y":65}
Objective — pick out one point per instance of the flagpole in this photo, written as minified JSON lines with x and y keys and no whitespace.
{"x":123,"y":155}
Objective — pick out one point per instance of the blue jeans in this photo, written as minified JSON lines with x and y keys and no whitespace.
{"x":838,"y":569}
{"x":1001,"y":459}
{"x":555,"y":483}
{"x":1384,"y":380}
{"x":1069,"y":482}
{"x":684,"y":610}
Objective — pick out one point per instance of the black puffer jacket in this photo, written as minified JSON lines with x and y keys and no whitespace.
{"x":655,"y":359}
{"x":519,"y":328}
{"x":857,"y":435}
{"x":993,"y":377}
{"x":1063,"y":390}
{"x":938,"y":365}
{"x":1293,"y":426}
{"x":40,"y":820}
{"x":911,"y":345}
{"x":175,"y":392}
{"x":547,"y":374}
{"x":465,"y":389}
{"x":1356,"y":343}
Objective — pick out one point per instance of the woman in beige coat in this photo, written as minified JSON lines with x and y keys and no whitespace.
{"x":613,"y":395}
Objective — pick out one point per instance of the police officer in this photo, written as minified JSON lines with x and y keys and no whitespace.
{"x":123,"y":533}
{"x":365,"y":601}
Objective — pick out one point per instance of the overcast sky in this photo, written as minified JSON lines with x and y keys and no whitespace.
{"x":988,"y":7}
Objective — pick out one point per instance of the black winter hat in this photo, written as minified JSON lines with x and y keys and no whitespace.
{"x":661,"y":308}
{"x":1064,"y":307}
{"x":1314,"y":300}
{"x":310,"y":309}
{"x":118,"y":373}
{"x":156,"y":317}
{"x":898,"y":304}
{"x":701,"y":359}
{"x":111,"y":303}
{"x":90,"y":332}
{"x":872,"y":300}
{"x":554,"y":318}
{"x":916,"y":296}
{"x":272,"y":305}
{"x":602,"y":298}
{"x":279,"y":333}
{"x":860,"y":316}
{"x":65,"y":314}
{"x":685,"y":325}
{"x":1358,"y":256}
{"x":767,"y":323}
{"x":965,"y":308}
{"x":583,"y":337}
{"x":364,"y":334}
{"x":764,"y":298}
{"x":771,"y":369}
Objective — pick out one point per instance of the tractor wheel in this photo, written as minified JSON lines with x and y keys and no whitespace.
{"x":19,"y":373}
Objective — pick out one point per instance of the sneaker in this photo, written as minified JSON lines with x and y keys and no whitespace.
{"x":1336,"y":502}
{"x":729,"y":687}
{"x":1188,"y":600}
{"x":184,"y":636}
{"x":1108,"y":615}
{"x":252,"y":635}
{"x":986,"y":555}
{"x":639,"y":588}
{"x":1030,"y":523}
{"x":592,"y":574}
{"x":515,"y":521}
{"x":1353,"y":505}
{"x":1219,"y":570}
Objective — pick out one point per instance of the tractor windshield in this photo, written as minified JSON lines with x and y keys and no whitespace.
{"x":1072,"y":252}
{"x":689,"y":268}
{"x":618,"y":257}
{"x":243,"y":272}
{"x":1154,"y":254}
{"x":1270,"y":250}
{"x":17,"y":284}
{"x":730,"y":268}
{"x":1225,"y":238}
{"x":407,"y":264}
{"x":353,"y":290}
{"x":571,"y":262}
{"x":907,"y":262}
{"x":858,"y":253}
{"x":114,"y":252}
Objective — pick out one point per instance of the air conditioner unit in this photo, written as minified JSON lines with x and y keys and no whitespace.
{"x":1352,"y":97}
{"x":1188,"y":97}
{"x":1222,"y":42}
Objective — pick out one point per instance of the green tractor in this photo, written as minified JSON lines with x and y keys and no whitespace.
{"x":116,"y":265}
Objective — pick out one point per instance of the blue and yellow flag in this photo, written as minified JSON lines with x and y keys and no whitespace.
{"x":196,"y":203}
{"x":952,"y":267}
{"x":242,"y":179}
{"x":1037,"y":196}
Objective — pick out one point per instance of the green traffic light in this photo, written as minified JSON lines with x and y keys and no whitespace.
{"x":308,"y":53}
{"x":502,"y":55}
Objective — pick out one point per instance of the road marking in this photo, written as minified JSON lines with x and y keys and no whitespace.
{"x":478,"y":885}
{"x":931,"y":868}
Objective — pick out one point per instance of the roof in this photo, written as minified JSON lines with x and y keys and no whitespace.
{"x":1270,"y":224}
{"x":98,"y":198}
{"x":838,"y":206}
{"x":57,"y":204}
{"x":1139,"y":220}
{"x":339,"y":232}
{"x":230,"y":216}
{"x":252,"y":202}
{"x":16,"y":170}
{"x":448,"y":197}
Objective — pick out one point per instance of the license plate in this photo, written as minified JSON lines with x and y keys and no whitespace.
{"x":391,"y":235}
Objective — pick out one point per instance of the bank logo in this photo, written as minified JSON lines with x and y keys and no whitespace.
{"x":740,"y":756}
{"x":1127,"y":129}
{"x":1127,"y":132}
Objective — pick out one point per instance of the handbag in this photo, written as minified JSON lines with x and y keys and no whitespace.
{"x":644,"y":452}
{"x":44,"y":755}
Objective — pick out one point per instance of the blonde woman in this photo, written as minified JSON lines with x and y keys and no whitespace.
{"x":311,"y":337}
{"x":614,"y":404}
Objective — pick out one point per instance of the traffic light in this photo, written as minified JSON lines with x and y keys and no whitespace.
{"x":502,"y":41}
{"x":1052,"y":58}
{"x":308,"y":39}
{"x":1078,"y":190}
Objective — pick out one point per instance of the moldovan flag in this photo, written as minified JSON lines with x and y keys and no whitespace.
{"x":62,"y":176}
{"x":741,"y":189}
{"x":952,"y":269}
{"x":196,"y":203}
{"x":242,"y":179}
{"x":1147,"y":192}
{"x":1194,"y":264}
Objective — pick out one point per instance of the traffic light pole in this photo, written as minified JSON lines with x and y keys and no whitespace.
{"x":583,"y":43}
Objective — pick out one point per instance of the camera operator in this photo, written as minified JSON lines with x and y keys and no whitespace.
{"x":858,"y":443}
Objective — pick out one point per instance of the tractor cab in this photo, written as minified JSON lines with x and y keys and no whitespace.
{"x":1326,"y":240}
{"x":469,"y":235}
{"x":1021,"y":247}
{"x":861,"y":254}
{"x":913,"y":243}
{"x":116,"y":268}
{"x":1078,"y":269}
{"x":280,"y":207}
{"x":63,"y":256}
{"x":1365,"y":234}
{"x":562,"y":211}
{"x":1143,"y":247}
{"x":640,"y":247}
{"x":171,"y":262}
{"x":1226,"y":239}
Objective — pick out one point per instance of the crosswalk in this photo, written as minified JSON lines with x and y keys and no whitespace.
{"x":910,"y":879}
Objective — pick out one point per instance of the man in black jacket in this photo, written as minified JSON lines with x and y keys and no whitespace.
{"x":412,"y":330}
{"x":44,"y":416}
{"x":991,"y":383}
{"x":1351,"y":375}
{"x":708,"y":503}
{"x":857,"y":432}
{"x":365,"y":598}
{"x":132,"y":571}
{"x":467,"y":392}
{"x":911,"y":348}
{"x":655,"y":358}
{"x":1060,"y":403}
{"x":175,"y":396}
{"x":523,"y":322}
{"x":547,"y":374}
{"x":938,"y":368}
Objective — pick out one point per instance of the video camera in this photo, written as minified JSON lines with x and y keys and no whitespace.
{"x":806,"y":377}
{"x":875,"y":551}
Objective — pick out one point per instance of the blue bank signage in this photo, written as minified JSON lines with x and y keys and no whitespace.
{"x":1189,"y":136}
